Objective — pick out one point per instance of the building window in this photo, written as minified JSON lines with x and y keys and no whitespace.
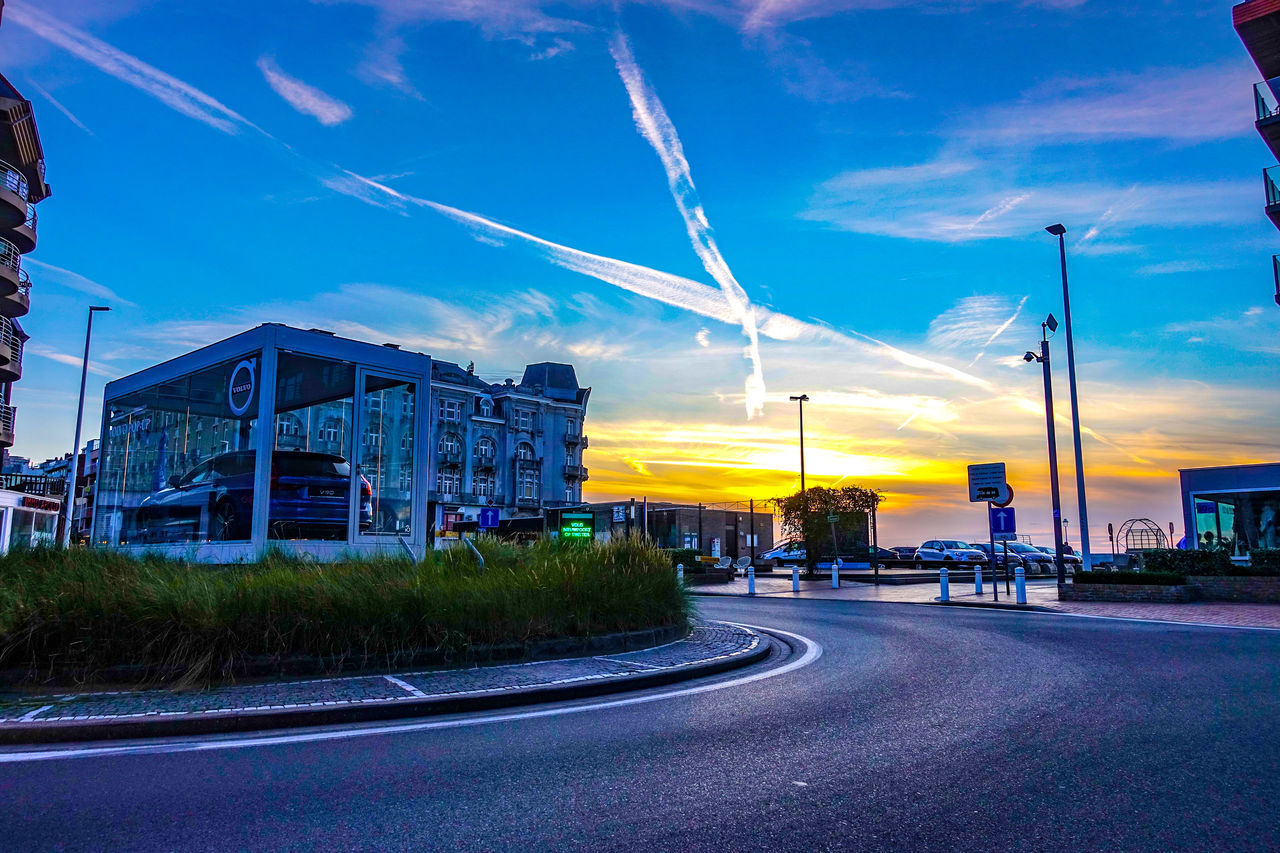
{"x":571,"y":427}
{"x":528,"y":484}
{"x":406,"y":476}
{"x":524,"y":451}
{"x":568,"y":494}
{"x":448,"y":482}
{"x":450,"y":443}
{"x":483,"y":485}
{"x":406,"y":407}
{"x":331,"y":431}
{"x":524,"y":420}
{"x":485,"y":449}
{"x":570,"y":456}
{"x":450,"y":410}
{"x":406,"y":441}
{"x":486,"y":408}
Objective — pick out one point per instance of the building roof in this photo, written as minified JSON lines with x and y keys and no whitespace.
{"x":557,"y":381}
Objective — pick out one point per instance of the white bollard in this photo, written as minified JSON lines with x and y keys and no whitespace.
{"x":1020,"y":584}
{"x":835,"y":575}
{"x":751,"y":580}
{"x":977,"y":578}
{"x":946,"y":584}
{"x":680,"y":573}
{"x":795,"y":579}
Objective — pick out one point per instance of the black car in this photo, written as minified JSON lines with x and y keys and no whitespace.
{"x":1014,"y":560}
{"x":214,"y":500}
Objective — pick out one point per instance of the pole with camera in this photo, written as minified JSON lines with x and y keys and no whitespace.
{"x":1051,"y":325}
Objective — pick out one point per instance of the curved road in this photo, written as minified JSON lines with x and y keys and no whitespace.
{"x":917,"y":728}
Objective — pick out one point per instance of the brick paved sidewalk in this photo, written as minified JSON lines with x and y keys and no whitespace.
{"x":710,"y":646}
{"x":1041,"y":593}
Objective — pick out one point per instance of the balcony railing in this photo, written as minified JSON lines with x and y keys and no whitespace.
{"x":1275,"y":270}
{"x":1269,"y":179}
{"x":14,"y":181}
{"x":1265,"y":101}
{"x":34,"y":484}
{"x":10,"y":256}
{"x":575,"y":472}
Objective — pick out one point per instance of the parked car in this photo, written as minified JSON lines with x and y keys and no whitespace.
{"x":308,"y":498}
{"x":1014,"y":560}
{"x":1070,"y":558}
{"x":1031,"y":556}
{"x":789,"y":553}
{"x":903,"y":552}
{"x":948,"y":551}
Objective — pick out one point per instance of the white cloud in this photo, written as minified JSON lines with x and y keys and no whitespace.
{"x":169,"y":90}
{"x":303,"y":97}
{"x":74,"y":281}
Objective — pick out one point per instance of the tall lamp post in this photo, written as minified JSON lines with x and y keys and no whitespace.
{"x":804,"y":495}
{"x":1060,"y":231}
{"x":70,"y":497}
{"x":1051,"y":325}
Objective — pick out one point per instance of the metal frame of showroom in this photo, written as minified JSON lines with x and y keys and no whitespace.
{"x":270,"y":340}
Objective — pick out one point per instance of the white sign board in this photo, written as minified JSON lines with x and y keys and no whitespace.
{"x":986,"y":483}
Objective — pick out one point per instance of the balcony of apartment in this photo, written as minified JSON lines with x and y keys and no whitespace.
{"x":450,"y":458}
{"x":13,"y":197}
{"x":15,"y":302}
{"x":10,"y":352}
{"x":1267,"y":108}
{"x":6,"y":425}
{"x":485,"y":463}
{"x":1275,"y":271}
{"x":522,"y":501}
{"x":575,"y":472}
{"x":34,"y":484}
{"x":1258,"y":24}
{"x":23,"y":235}
{"x":1271,"y":184}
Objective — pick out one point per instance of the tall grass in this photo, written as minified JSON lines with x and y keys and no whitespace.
{"x":76,"y":614}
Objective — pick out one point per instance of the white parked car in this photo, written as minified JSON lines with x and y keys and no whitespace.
{"x":948,"y":551}
{"x":789,"y":553}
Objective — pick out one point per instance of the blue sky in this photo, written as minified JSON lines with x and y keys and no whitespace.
{"x":640,"y":188}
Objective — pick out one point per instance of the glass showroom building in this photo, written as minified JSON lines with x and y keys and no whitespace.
{"x":1235,"y":507}
{"x":275,"y":437}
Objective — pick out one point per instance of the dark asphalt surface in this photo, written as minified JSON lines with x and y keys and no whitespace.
{"x":919,"y":728}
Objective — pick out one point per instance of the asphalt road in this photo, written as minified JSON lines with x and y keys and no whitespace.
{"x":918,"y":728}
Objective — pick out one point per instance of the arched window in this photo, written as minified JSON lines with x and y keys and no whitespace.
{"x":486,"y":449}
{"x":450,"y":443}
{"x":524,"y":451}
{"x":486,"y":408}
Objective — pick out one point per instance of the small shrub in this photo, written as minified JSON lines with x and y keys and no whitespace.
{"x":1264,"y":561}
{"x":688,"y":557}
{"x":1189,"y":562}
{"x":1150,"y":578}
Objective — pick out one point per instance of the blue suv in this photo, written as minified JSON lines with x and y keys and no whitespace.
{"x":308,"y":499}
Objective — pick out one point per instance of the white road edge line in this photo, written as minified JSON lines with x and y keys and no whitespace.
{"x":31,"y":715}
{"x":406,"y":685}
{"x":812,"y":652}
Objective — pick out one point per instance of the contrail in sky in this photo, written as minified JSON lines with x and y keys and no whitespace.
{"x":656,"y":127}
{"x":999,"y":331}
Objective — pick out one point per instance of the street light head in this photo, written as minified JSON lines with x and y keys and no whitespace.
{"x":803,"y":398}
{"x":99,"y":308}
{"x":1056,"y":230}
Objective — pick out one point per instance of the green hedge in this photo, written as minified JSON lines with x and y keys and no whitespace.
{"x":1189,"y":562}
{"x":688,"y":557}
{"x":1264,"y":561}
{"x":1151,"y":578}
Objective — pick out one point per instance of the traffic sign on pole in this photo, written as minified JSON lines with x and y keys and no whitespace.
{"x":1004,"y":523}
{"x":987,"y":483}
{"x":489,"y":518}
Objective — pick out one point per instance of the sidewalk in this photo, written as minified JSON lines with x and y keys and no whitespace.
{"x":711,"y":647}
{"x":1042,"y":594}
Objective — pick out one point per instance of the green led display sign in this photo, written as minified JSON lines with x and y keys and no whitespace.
{"x":577,"y":525}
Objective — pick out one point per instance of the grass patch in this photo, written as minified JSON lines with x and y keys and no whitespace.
{"x":73,"y":614}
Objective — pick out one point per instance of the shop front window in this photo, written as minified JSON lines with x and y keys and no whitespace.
{"x":1237,"y":522}
{"x":32,"y":529}
{"x":386,"y":453}
{"x":311,"y":472}
{"x":177,"y":460}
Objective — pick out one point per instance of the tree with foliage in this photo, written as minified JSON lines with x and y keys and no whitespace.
{"x":852,"y":504}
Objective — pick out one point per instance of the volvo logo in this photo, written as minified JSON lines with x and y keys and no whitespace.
{"x":240,"y":388}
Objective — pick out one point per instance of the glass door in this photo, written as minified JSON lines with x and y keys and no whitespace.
{"x":385,"y":456}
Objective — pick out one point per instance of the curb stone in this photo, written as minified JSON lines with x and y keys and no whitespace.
{"x":337,"y":713}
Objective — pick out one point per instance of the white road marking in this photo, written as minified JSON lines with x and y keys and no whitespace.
{"x":31,"y":715}
{"x":406,"y":685}
{"x":812,"y":651}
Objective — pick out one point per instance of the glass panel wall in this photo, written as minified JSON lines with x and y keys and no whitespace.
{"x":177,"y":462}
{"x":1237,"y":522}
{"x":386,"y":453}
{"x":310,"y":458}
{"x":32,"y":529}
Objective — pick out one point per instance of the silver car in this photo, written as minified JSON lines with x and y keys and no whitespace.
{"x":948,"y":551}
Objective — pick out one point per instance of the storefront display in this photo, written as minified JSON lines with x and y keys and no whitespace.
{"x":1233,"y":508}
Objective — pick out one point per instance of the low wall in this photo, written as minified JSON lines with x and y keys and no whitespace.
{"x":1134,"y":592}
{"x":1256,"y":589}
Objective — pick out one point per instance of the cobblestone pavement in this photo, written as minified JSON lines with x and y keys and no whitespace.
{"x":711,"y":641}
{"x":1040,"y":592}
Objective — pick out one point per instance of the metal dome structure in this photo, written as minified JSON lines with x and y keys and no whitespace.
{"x":1141,"y":534}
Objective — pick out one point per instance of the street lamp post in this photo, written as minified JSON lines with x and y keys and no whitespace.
{"x":809,"y":561}
{"x":1043,"y":358}
{"x":70,"y":497}
{"x":1060,"y":231}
